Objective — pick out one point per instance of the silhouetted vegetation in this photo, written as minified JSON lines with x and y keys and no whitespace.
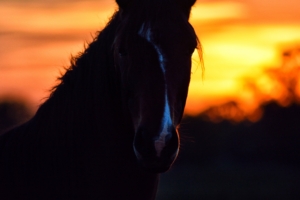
{"x":279,"y":84}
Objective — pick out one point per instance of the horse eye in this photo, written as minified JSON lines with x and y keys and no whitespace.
{"x":122,"y":52}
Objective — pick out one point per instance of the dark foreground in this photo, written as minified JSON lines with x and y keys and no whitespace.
{"x":226,"y":161}
{"x":238,"y":161}
{"x":235,"y":182}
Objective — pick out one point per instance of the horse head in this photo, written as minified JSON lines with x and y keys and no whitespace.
{"x":153,"y":50}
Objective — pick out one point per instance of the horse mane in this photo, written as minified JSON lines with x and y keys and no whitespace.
{"x":88,"y":92}
{"x":81,"y":61}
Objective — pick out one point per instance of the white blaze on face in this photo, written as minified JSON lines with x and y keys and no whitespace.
{"x":166,"y":120}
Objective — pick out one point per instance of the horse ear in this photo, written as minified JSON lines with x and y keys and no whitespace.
{"x":123,"y":3}
{"x":191,"y":2}
{"x":186,"y":6}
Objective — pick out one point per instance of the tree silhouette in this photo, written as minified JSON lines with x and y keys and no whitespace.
{"x":276,"y":84}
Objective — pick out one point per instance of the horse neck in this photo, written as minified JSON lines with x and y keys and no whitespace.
{"x":89,"y":94}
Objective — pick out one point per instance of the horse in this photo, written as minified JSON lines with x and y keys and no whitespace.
{"x":109,"y":128}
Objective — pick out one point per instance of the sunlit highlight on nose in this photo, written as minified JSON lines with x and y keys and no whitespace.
{"x":161,"y":142}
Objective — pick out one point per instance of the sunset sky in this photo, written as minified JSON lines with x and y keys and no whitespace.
{"x":240,"y":39}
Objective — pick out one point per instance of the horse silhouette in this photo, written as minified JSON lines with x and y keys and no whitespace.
{"x":110,"y":127}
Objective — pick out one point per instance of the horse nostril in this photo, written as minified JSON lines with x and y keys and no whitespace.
{"x":156,"y":153}
{"x":167,"y":143}
{"x":142,"y":144}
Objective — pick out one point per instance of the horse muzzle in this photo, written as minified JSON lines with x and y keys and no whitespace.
{"x":156,"y":153}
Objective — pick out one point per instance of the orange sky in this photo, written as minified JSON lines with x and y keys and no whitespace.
{"x":240,"y":39}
